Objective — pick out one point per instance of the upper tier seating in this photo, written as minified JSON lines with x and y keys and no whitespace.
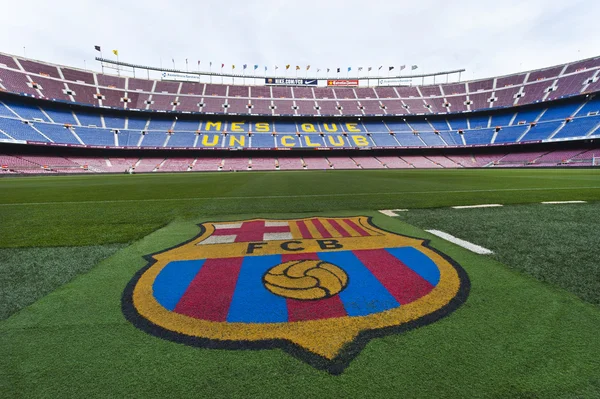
{"x":44,"y":80}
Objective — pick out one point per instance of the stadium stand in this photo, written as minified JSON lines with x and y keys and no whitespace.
{"x":44,"y":80}
{"x":22,"y":121}
{"x":494,"y":122}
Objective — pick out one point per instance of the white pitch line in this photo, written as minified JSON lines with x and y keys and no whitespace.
{"x":477,"y":206}
{"x":300,"y":196}
{"x":465,"y":244}
{"x":392,"y":212}
{"x":563,"y":202}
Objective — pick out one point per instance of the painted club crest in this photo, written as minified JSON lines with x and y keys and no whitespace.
{"x":320,"y":288}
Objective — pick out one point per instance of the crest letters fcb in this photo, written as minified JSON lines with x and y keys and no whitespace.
{"x":320,"y":288}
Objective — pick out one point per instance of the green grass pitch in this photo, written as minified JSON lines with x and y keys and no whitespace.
{"x":528,"y":329}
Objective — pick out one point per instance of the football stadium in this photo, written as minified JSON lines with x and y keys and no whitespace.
{"x":211,"y":229}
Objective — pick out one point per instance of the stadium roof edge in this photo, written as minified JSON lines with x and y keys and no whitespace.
{"x":323,"y":78}
{"x":234,"y":75}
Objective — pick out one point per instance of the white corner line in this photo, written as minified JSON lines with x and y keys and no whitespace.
{"x":465,"y":244}
{"x":563,"y":202}
{"x":392,"y":212}
{"x":476,"y":206}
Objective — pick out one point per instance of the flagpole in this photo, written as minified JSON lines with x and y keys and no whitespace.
{"x":102,"y":63}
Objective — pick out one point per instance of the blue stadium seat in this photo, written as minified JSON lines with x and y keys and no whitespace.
{"x":399,"y":126}
{"x":89,"y":119}
{"x":592,"y":105}
{"x":432,"y":139}
{"x":128,"y":138}
{"x":479,"y":121}
{"x":458,"y":123}
{"x":95,"y":136}
{"x":541,"y":131}
{"x":160,"y":124}
{"x":114,"y":122}
{"x":440,"y":124}
{"x":186,"y":126}
{"x":578,"y":127}
{"x":137,"y":123}
{"x":409,"y":140}
{"x":6,"y":112}
{"x":510,"y":134}
{"x":559,"y":112}
{"x":20,"y":131}
{"x":182,"y":139}
{"x":420,"y":126}
{"x":452,"y":138}
{"x":384,"y":140}
{"x":502,"y":119}
{"x":527,"y":116}
{"x":285,"y":127}
{"x":479,"y":136}
{"x":60,"y":115}
{"x":263,"y":141}
{"x":28,"y":112}
{"x":376,"y":127}
{"x":57,"y":133}
{"x":154,"y":139}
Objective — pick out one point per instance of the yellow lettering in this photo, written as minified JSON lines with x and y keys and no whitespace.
{"x":360,"y":141}
{"x":215,"y":140}
{"x":352,"y":127}
{"x":332,"y":128}
{"x":308,"y":127}
{"x":236,"y":127}
{"x":215,"y":125}
{"x":262,"y":127}
{"x":309,"y":144}
{"x":338,"y":143}
{"x":288,"y":141}
{"x":239,"y":140}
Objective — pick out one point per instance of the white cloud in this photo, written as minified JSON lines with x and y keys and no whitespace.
{"x":485,"y":37}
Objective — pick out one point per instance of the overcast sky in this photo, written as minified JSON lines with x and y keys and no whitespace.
{"x":485,"y":37}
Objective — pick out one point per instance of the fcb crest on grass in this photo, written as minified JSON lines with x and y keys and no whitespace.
{"x":320,"y":288}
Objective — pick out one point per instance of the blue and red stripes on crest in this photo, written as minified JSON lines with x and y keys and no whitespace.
{"x":268,"y":230}
{"x":232,"y":290}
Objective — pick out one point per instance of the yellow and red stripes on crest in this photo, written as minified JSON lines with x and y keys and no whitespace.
{"x":329,"y":228}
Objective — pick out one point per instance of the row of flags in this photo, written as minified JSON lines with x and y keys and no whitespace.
{"x":338,"y":70}
{"x":98,"y":48}
{"x":287,"y":67}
